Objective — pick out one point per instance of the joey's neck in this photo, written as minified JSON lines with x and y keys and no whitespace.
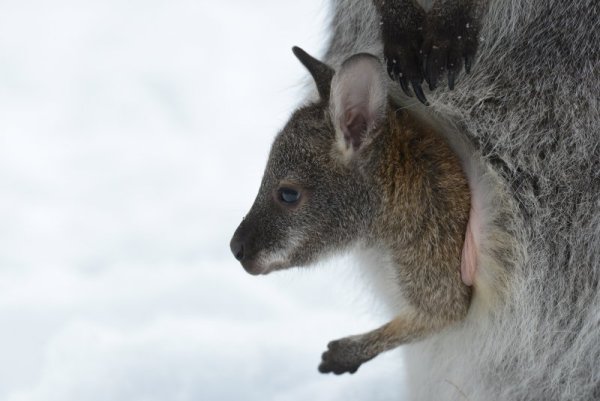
{"x":409,"y":166}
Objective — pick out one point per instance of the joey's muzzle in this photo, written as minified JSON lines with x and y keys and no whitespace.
{"x":241,"y":250}
{"x":237,"y":248}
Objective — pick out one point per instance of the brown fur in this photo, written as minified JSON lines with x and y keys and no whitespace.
{"x":426,"y":202}
{"x":423,"y":216}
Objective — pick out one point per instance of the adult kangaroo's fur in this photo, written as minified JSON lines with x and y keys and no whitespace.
{"x":530,"y":109}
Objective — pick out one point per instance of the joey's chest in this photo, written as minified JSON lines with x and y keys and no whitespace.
{"x":381,"y":276}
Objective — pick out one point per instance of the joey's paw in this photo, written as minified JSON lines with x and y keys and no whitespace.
{"x":341,"y":356}
{"x":448,"y":43}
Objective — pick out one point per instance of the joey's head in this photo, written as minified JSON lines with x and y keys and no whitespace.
{"x":315,"y":196}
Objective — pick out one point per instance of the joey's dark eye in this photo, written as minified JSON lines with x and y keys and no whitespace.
{"x":288,"y":195}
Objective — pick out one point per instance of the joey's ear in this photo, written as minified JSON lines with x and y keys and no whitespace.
{"x":321,"y":72}
{"x":358,"y":102}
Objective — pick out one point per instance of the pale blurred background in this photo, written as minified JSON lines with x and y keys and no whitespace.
{"x":133,"y":135}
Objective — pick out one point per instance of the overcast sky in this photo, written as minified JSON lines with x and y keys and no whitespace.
{"x":133,"y":136}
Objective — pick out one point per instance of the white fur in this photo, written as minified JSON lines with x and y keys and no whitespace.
{"x":380,"y":271}
{"x":279,"y":258}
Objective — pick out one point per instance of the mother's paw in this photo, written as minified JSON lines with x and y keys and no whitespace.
{"x":402,"y":35}
{"x":449,"y":40}
{"x":404,"y":65}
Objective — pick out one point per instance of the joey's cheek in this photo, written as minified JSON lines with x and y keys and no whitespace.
{"x":291,"y":251}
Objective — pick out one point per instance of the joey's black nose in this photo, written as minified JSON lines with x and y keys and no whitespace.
{"x":237,"y":248}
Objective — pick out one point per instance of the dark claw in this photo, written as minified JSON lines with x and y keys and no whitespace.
{"x":399,"y":76}
{"x":424,"y":70}
{"x":390,"y":70}
{"x":451,"y":78}
{"x":397,"y":71}
{"x":432,"y":82}
{"x":419,"y":92}
{"x":404,"y":85}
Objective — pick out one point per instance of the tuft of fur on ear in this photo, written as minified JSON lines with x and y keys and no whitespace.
{"x":358,"y":102}
{"x":321,"y":72}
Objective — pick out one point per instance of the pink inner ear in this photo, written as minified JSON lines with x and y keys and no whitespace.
{"x":354,"y":128}
{"x":468,"y":265}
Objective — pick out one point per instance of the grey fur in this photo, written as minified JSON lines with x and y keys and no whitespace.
{"x":525,"y":123}
{"x":531,"y":107}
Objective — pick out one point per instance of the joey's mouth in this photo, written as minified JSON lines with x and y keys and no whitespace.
{"x":259,"y":267}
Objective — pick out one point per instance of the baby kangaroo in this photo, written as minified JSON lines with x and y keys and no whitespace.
{"x":351,"y":169}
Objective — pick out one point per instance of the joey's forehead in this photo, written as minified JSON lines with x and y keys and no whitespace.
{"x":288,"y":150}
{"x":300,"y":144}
{"x":308,"y":125}
{"x":295,"y":161}
{"x":294,"y":165}
{"x":303,"y":147}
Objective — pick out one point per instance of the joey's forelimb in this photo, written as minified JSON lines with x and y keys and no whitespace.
{"x":348,"y":353}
